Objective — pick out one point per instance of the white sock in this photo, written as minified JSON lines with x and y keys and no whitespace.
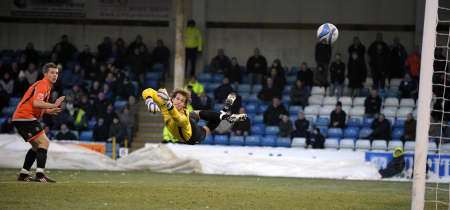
{"x":39,"y":170}
{"x":24,"y":171}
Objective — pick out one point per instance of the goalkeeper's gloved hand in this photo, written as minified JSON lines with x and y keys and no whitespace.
{"x":162,"y":93}
{"x":151,"y":106}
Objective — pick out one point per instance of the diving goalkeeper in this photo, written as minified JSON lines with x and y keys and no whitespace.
{"x":182,"y":124}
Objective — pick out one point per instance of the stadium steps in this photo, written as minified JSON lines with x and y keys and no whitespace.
{"x":150,"y":127}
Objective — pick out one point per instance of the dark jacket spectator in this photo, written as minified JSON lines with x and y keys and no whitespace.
{"x":285,"y":126}
{"x":410,"y":129}
{"x":161,"y":54}
{"x":117,"y":130}
{"x":63,"y":117}
{"x":101,"y":131}
{"x":299,"y":94}
{"x":381,"y":129}
{"x":379,"y":60}
{"x":372,"y":103}
{"x":105,"y":49}
{"x":220,"y":63}
{"x":85,"y":57}
{"x":31,"y":54}
{"x":4,"y":98}
{"x":257,"y":66}
{"x":321,"y":76}
{"x":65,"y":134}
{"x":323,"y":53}
{"x":278,"y":78}
{"x":408,"y":88}
{"x":273,"y":112}
{"x":397,"y":58}
{"x":315,"y":139}
{"x":357,"y":71}
{"x":64,"y":49}
{"x":301,"y":126}
{"x":235,"y":72}
{"x":395,"y":166}
{"x":136,"y":44}
{"x":358,"y":48}
{"x":242,"y":128}
{"x":337,"y":71}
{"x":305,"y":75}
{"x":7,"y":83}
{"x":202,"y":102}
{"x":338,"y":117}
{"x":221,"y":92}
{"x":268,"y":92}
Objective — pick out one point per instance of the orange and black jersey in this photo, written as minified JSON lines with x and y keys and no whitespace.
{"x":40,"y":90}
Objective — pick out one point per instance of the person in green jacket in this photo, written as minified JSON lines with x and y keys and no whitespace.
{"x":193,"y":45}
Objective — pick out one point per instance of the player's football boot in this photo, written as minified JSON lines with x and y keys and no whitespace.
{"x":40,"y":177}
{"x":236,"y":118}
{"x":24,"y":177}
{"x":229,"y":101}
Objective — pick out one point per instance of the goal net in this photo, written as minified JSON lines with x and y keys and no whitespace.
{"x":432,"y":152}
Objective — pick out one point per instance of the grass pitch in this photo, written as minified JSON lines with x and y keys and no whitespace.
{"x":148,"y":190}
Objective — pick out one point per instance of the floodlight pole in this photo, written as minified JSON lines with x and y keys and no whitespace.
{"x":178,"y":80}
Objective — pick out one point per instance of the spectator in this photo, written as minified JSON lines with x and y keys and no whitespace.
{"x":379,"y":58}
{"x":338,"y":117}
{"x":125,"y":90}
{"x":315,"y":139}
{"x":221,"y":92}
{"x":109,"y":115}
{"x":193,"y":42}
{"x":372,"y":103}
{"x":256,"y":67}
{"x":395,"y":166}
{"x":86,"y":105}
{"x":117,"y":131}
{"x":197,"y":87}
{"x":268,"y":92}
{"x":4,"y":98}
{"x":241,"y":128}
{"x":381,"y":129}
{"x":136,"y":44}
{"x":408,"y":87}
{"x":80,"y":118}
{"x":31,"y":74}
{"x":357,"y":73}
{"x":161,"y":55}
{"x":337,"y":76}
{"x":278,"y":78}
{"x":299,"y":94}
{"x":105,"y":49}
{"x":413,"y":64}
{"x":285,"y":126}
{"x":101,"y":102}
{"x":273,"y":112}
{"x":63,"y":117}
{"x":301,"y":126}
{"x":305,"y":75}
{"x":397,"y":59}
{"x":21,"y":84}
{"x":23,"y":64}
{"x":64,"y":133}
{"x":64,"y":49}
{"x":101,"y":131}
{"x":323,"y":54}
{"x":203,"y":102}
{"x":235,"y":72}
{"x":358,"y":48}
{"x":31,"y":54}
{"x":134,"y":106}
{"x":321,"y":76}
{"x":137,"y":64}
{"x":93,"y":70}
{"x":48,"y":132}
{"x":120,"y":52}
{"x":221,"y":63}
{"x":128,"y":123}
{"x":410,"y":129}
{"x":85,"y":57}
{"x":276,"y":64}
{"x":7,"y":84}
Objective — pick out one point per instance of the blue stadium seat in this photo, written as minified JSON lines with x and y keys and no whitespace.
{"x":258,"y":119}
{"x":283,"y":142}
{"x":294,"y":70}
{"x":258,"y":129}
{"x":365,"y":132}
{"x":323,"y":130}
{"x":86,"y":136}
{"x":256,"y":88}
{"x":237,"y":140}
{"x":119,"y":105}
{"x":335,"y":133}
{"x":294,"y":110}
{"x":351,"y":132}
{"x":268,"y":141}
{"x":272,"y":130}
{"x":208,"y":140}
{"x":399,"y":123}
{"x":252,"y":98}
{"x":3,"y":120}
{"x":151,"y":83}
{"x":251,"y":108}
{"x":204,"y":77}
{"x":262,"y":108}
{"x":397,"y":133}
{"x":322,"y":121}
{"x":367,"y":122}
{"x":253,"y":140}
{"x":221,"y":140}
{"x":218,"y":107}
{"x":91,"y":124}
{"x":153,"y":76}
{"x":244,"y":88}
{"x":218,"y":78}
{"x":291,"y":79}
{"x":354,"y":122}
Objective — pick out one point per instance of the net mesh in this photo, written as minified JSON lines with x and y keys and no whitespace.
{"x":437,"y":190}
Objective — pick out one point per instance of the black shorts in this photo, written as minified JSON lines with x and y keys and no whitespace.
{"x":29,"y":130}
{"x":198,"y":133}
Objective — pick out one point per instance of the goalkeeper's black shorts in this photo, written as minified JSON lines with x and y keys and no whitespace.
{"x":198,"y":133}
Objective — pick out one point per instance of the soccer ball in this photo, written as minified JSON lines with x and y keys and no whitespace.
{"x":328,"y":32}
